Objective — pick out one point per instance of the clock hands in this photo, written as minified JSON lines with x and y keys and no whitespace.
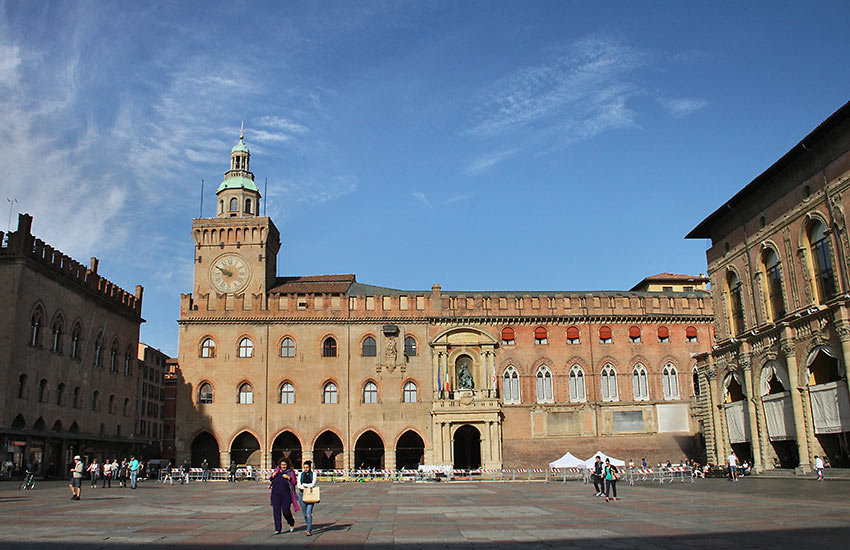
{"x":225,"y":271}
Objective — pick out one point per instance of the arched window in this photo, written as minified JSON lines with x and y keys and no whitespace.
{"x":544,"y":384}
{"x":329,"y":347}
{"x":329,"y":394}
{"x":510,"y":385}
{"x":126,"y":406}
{"x":370,"y":348}
{"x":205,"y":394}
{"x":113,"y":357}
{"x":75,"y":341}
{"x":234,"y":205}
{"x":370,"y":392}
{"x":127,"y":359}
{"x":410,"y":346}
{"x":578,"y":393}
{"x":57,"y":336}
{"x":409,"y":392}
{"x":634,"y":335}
{"x":541,"y":336}
{"x":95,"y":400}
{"x":821,"y":253}
{"x":60,"y":393}
{"x":287,"y":394}
{"x":573,"y":335}
{"x":609,"y":383}
{"x":248,"y":206}
{"x":207,"y":347}
{"x":221,"y":207}
{"x":695,"y":376}
{"x":508,"y":336}
{"x":691,"y":334}
{"x":246,"y":348}
{"x":640,"y":386}
{"x":736,"y":303}
{"x":75,"y":402}
{"x":98,"y":350}
{"x":287,"y":347}
{"x":22,"y":386}
{"x":670,"y":381}
{"x":112,"y":404}
{"x":246,"y":394}
{"x":36,"y":321}
{"x":663,"y":335}
{"x":605,"y":336}
{"x":42,"y":390}
{"x":773,"y":284}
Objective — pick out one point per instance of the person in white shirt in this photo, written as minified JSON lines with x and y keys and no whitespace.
{"x":306,"y":480}
{"x":819,"y":467}
{"x":733,"y":466}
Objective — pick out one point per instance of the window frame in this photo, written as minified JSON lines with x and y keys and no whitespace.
{"x":670,"y":381}
{"x":511,"y":393}
{"x":410,"y":345}
{"x":287,"y":350}
{"x":206,"y":350}
{"x":409,"y":388}
{"x":245,"y":397}
{"x":286,"y":394}
{"x":606,"y":375}
{"x":370,"y":393}
{"x":206,"y":398}
{"x":245,"y":350}
{"x":329,"y":347}
{"x":330,"y":393}
{"x":640,"y":376}
{"x":577,"y":380}
{"x":369,"y":347}
{"x":544,"y":383}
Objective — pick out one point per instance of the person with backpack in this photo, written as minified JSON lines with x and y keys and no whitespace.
{"x":205,"y":470}
{"x":596,"y":475}
{"x":611,"y":475}
{"x":184,"y":472}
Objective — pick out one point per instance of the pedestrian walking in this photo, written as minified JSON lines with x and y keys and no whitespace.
{"x":612,"y":475}
{"x":819,"y":467}
{"x":76,"y":478}
{"x":282,"y":484}
{"x":94,"y":472}
{"x":307,"y":484}
{"x":134,"y":471}
{"x":184,"y":472}
{"x":107,"y":474}
{"x":232,"y":472}
{"x":596,"y":476}
{"x":167,"y":477}
{"x":205,"y":470}
{"x":733,"y":466}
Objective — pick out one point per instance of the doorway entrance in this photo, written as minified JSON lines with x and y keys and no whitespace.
{"x":467,"y":448}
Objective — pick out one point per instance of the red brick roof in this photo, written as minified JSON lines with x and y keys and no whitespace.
{"x":313,"y":284}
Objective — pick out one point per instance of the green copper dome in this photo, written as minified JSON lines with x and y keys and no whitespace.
{"x":237,"y":182}
{"x":241,"y":147}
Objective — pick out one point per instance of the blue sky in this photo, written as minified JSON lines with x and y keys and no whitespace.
{"x":480,"y":145}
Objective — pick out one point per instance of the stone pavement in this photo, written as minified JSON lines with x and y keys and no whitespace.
{"x":713,"y":513}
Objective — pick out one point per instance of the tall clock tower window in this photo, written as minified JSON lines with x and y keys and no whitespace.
{"x":234,"y":205}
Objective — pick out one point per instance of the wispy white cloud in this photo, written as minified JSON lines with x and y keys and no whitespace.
{"x":286,"y":195}
{"x":420,"y":196}
{"x":264,"y":136}
{"x":281,"y":124}
{"x":680,"y":107}
{"x":485,"y":162}
{"x":581,"y":93}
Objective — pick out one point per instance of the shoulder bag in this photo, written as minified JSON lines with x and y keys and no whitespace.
{"x":311,"y":495}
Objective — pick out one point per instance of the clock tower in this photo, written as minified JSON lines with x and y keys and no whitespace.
{"x":236,"y":252}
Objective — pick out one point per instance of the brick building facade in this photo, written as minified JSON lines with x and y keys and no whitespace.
{"x":68,"y":373}
{"x":349,"y":374}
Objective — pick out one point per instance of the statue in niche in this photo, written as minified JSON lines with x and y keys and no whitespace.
{"x":391,"y":352}
{"x":464,"y":376}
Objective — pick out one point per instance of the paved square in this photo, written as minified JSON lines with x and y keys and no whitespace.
{"x":714,"y":513}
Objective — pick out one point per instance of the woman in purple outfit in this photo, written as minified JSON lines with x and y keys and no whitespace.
{"x":282,"y":485}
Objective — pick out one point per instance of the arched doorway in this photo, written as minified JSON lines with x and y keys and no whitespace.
{"x":737,"y":416}
{"x":774,"y":386}
{"x":327,"y":452}
{"x":287,"y":446}
{"x":830,"y":404}
{"x":467,"y":448}
{"x":369,"y":451}
{"x":245,"y":449}
{"x":204,"y":446}
{"x":409,"y":451}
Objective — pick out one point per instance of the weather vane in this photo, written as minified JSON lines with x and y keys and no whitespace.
{"x":242,"y":130}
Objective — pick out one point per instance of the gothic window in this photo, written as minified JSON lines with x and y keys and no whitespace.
{"x":42,"y":390}
{"x":663,"y":335}
{"x":640,"y":387}
{"x":370,"y":349}
{"x":287,"y":347}
{"x":573,"y":335}
{"x":370,"y":392}
{"x":22,"y":386}
{"x":112,"y":404}
{"x":208,"y":347}
{"x":670,"y":381}
{"x":410,"y":346}
{"x":246,"y":394}
{"x":634,"y":335}
{"x":329,"y":347}
{"x":57,"y":336}
{"x":821,"y":252}
{"x":696,"y":382}
{"x":221,"y":207}
{"x":234,"y":205}
{"x":35,"y":327}
{"x":113,"y":357}
{"x":329,"y":394}
{"x":98,"y":350}
{"x":247,"y":206}
{"x":409,"y":392}
{"x":205,"y":394}
{"x":541,"y":336}
{"x":578,"y":392}
{"x":287,"y":394}
{"x":76,"y":398}
{"x":736,"y":303}
{"x":773,"y":284}
{"x":60,"y":393}
{"x":95,"y":400}
{"x":510,"y":385}
{"x":246,"y":348}
{"x":544,"y":384}
{"x":609,"y":383}
{"x":508,"y":336}
{"x":75,"y":341}
{"x":127,"y":362}
{"x":605,"y":336}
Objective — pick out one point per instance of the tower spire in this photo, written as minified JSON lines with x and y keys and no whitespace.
{"x":238,"y":195}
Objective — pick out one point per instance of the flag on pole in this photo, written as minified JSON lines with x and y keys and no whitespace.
{"x":447,"y":378}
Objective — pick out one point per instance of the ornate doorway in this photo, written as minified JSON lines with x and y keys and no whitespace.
{"x":467,"y":448}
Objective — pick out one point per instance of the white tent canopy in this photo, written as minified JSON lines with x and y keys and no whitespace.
{"x":592,"y":460}
{"x":567,"y":461}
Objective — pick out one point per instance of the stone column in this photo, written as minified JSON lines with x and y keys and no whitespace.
{"x":307,"y":455}
{"x":435,"y":362}
{"x":265,"y":458}
{"x":796,"y":389}
{"x":389,"y":459}
{"x":223,"y":459}
{"x":751,"y":411}
{"x":843,"y":330}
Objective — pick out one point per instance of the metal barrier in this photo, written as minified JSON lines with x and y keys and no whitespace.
{"x":660,"y":475}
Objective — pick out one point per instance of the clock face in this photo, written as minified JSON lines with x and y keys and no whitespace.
{"x":230,"y":273}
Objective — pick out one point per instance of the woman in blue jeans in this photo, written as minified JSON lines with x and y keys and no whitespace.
{"x":306,"y":479}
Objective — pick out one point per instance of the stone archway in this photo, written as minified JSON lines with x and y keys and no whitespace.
{"x":327,"y":452}
{"x":287,"y":446}
{"x":369,"y":451}
{"x":245,"y":449}
{"x":204,"y":446}
{"x":409,"y":451}
{"x":467,"y":448}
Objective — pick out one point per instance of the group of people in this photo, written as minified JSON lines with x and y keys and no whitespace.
{"x":605,"y":476}
{"x":288,"y":490}
{"x":126,"y":473}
